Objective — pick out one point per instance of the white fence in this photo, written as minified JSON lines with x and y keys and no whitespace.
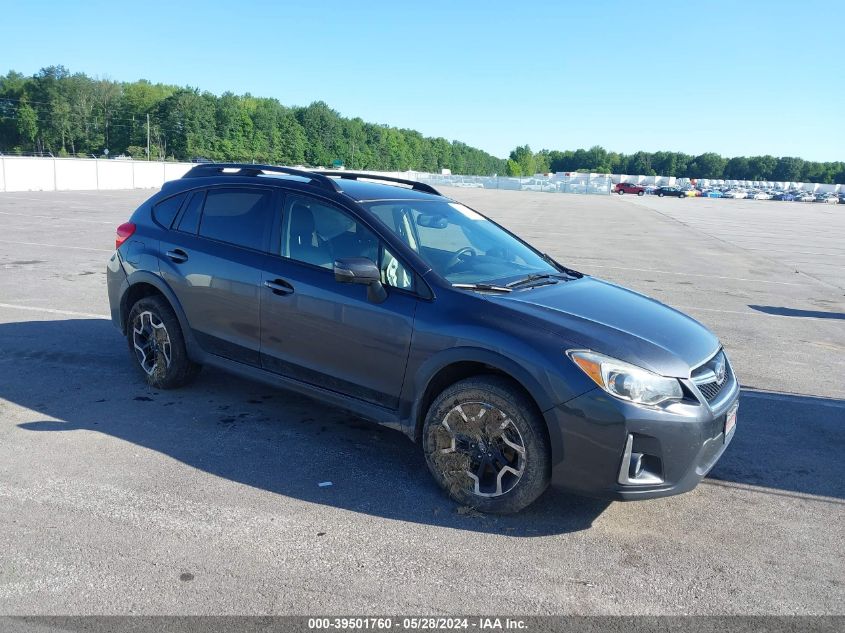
{"x":28,"y":173}
{"x":25,"y":173}
{"x":31,"y":173}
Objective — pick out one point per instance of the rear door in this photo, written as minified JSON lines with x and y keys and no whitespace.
{"x":325,"y":333}
{"x":213,"y":263}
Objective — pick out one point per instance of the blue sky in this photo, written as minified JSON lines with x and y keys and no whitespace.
{"x":735,"y":77}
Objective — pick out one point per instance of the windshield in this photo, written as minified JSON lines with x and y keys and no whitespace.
{"x":458,"y":243}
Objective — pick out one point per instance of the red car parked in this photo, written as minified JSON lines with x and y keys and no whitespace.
{"x":627,"y":187}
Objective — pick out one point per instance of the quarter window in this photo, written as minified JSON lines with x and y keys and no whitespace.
{"x":165,"y":211}
{"x":190,"y":220}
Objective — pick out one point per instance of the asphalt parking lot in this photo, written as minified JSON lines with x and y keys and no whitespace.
{"x":117,"y":499}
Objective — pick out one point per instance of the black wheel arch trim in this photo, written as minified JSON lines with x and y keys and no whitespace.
{"x":426,"y":373}
{"x":145,"y":277}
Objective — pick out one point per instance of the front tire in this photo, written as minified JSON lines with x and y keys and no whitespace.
{"x":487,"y":446}
{"x":157,"y":345}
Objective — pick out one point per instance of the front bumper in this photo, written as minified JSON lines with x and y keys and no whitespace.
{"x":681,"y":442}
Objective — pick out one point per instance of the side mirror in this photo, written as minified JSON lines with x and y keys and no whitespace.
{"x":360,"y":270}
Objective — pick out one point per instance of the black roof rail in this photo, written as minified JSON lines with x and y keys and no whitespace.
{"x":205,"y":170}
{"x":354,"y":175}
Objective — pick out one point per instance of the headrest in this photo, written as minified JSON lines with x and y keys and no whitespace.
{"x":301,"y":220}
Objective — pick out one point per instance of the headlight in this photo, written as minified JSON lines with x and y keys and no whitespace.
{"x":626,"y":381}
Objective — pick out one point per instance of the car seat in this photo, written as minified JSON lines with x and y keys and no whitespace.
{"x":303,"y":244}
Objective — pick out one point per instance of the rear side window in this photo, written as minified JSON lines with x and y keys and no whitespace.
{"x":190,"y":220}
{"x":236,"y":216}
{"x":165,"y":211}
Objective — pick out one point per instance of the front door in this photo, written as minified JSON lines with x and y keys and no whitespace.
{"x":326,"y":333}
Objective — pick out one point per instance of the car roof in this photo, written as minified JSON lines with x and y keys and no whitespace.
{"x":366,"y":191}
{"x":354,"y":186}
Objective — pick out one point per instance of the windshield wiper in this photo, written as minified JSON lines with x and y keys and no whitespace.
{"x":530,"y":279}
{"x":567,"y":271}
{"x":489,"y":287}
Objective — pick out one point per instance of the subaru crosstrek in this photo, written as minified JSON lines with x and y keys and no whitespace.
{"x":381,"y":296}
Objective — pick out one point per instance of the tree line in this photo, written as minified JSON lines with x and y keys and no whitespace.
{"x":523,"y":161}
{"x":71,"y":114}
{"x":66,"y":114}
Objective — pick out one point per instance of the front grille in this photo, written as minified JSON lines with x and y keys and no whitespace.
{"x":711,"y":389}
{"x":707,"y":376}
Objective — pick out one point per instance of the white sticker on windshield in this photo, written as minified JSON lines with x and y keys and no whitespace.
{"x":472,"y":215}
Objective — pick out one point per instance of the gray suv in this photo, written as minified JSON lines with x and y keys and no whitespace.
{"x":381,"y":296}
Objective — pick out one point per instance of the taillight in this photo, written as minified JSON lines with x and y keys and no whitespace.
{"x":124,"y":232}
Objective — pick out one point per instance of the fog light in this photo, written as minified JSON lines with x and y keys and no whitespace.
{"x":639,"y":469}
{"x":636,"y":466}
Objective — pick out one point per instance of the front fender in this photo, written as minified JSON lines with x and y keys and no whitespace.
{"x":547,"y":386}
{"x":439,"y":361}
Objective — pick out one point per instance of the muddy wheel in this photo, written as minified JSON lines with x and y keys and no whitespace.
{"x":486,"y":445}
{"x":157,"y":345}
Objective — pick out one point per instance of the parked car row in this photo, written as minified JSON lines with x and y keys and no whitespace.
{"x":791,"y":195}
{"x":735,"y":193}
{"x":548,"y":185}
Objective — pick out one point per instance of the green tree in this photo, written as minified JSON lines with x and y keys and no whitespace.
{"x":788,"y":169}
{"x":61,"y":120}
{"x":640,"y":163}
{"x":524,"y":157}
{"x":597,"y":160}
{"x":708,"y":165}
{"x":542,"y":162}
{"x":761,"y":167}
{"x":736,"y":168}
{"x":55,"y":110}
{"x":27,"y":124}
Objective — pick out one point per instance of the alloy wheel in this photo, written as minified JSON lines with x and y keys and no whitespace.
{"x":478,"y":448}
{"x":151,"y":342}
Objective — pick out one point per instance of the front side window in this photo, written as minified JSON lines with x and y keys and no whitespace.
{"x":238,"y":216}
{"x":458,"y":243}
{"x":317,"y":233}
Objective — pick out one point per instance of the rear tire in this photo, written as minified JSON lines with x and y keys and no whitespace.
{"x":660,"y":195}
{"x":157,"y":345}
{"x":620,"y":192}
{"x":487,"y":446}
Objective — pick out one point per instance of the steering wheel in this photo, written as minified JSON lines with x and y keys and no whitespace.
{"x":455,"y":259}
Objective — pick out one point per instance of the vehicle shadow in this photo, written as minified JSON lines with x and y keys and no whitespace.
{"x":78,"y":374}
{"x":794,"y":312}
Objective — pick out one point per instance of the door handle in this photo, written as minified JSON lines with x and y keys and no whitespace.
{"x":279,"y":286}
{"x":177,"y":255}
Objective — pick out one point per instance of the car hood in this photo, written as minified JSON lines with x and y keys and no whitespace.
{"x":594,"y":314}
